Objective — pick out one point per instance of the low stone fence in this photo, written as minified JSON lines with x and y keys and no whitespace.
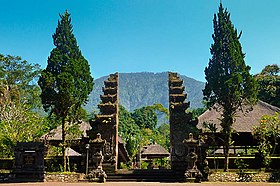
{"x":244,"y":177}
{"x":63,"y":177}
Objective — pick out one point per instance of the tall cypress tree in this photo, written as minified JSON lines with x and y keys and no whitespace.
{"x":229,"y":83}
{"x":66,"y":82}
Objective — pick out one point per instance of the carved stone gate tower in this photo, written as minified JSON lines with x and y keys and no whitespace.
{"x":181,"y":122}
{"x":106,"y":123}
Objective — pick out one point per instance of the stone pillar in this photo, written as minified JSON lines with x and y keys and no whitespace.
{"x":106,"y":123}
{"x":181,"y":123}
{"x":96,"y":158}
{"x":192,"y":174}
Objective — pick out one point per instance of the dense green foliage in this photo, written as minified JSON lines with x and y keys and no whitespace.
{"x":138,"y":128}
{"x":66,"y":82}
{"x":145,"y":117}
{"x":18,"y":124}
{"x":269,"y":84}
{"x":267,"y":134}
{"x":128,"y":131}
{"x":18,"y":101}
{"x":229,"y":83}
{"x":197,"y":112}
{"x":18,"y":80}
{"x":137,"y":90}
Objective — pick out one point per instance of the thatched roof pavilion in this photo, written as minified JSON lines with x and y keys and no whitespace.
{"x":154,"y":151}
{"x":244,"y":121}
{"x":243,"y":124}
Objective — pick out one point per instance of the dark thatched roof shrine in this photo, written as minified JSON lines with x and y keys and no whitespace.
{"x":154,"y":151}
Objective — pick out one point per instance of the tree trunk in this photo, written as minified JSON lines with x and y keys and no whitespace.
{"x":68,"y":163}
{"x":226,"y":124}
{"x":64,"y":144}
{"x":226,"y":160}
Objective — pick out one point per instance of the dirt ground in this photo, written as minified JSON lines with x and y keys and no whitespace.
{"x":141,"y":183}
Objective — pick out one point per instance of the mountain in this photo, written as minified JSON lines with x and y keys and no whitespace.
{"x":145,"y":88}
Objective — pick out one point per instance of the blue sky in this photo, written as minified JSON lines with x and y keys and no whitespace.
{"x":140,"y":35}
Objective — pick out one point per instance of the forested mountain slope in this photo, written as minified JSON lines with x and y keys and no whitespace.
{"x":145,"y":88}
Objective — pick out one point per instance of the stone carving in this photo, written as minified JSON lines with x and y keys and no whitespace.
{"x":205,"y":170}
{"x":191,"y":145}
{"x":29,"y":161}
{"x":97,"y":175}
{"x":202,"y":161}
{"x":192,"y":173}
{"x":181,"y":122}
{"x":106,"y":123}
{"x":96,"y":147}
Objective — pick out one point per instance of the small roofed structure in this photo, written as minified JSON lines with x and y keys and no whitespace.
{"x":154,"y":151}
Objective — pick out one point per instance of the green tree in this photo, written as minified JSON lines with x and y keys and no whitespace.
{"x":66,"y":82}
{"x":229,"y":83}
{"x":128,"y":131}
{"x":145,"y":117}
{"x":269,"y":84}
{"x":18,"y":80}
{"x":19,"y":98}
{"x":267,"y":134}
{"x":160,"y":108}
{"x":197,"y":112}
{"x":127,"y":124}
{"x":164,"y":132}
{"x":18,"y":123}
{"x":136,"y":135}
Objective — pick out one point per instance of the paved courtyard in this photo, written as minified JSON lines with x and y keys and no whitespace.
{"x":141,"y":183}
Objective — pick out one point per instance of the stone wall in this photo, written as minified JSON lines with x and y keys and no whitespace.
{"x":71,"y":177}
{"x":246,"y":177}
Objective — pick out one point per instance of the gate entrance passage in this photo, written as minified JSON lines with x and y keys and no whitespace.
{"x":181,"y":125}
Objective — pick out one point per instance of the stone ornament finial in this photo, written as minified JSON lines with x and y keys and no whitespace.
{"x":98,"y":139}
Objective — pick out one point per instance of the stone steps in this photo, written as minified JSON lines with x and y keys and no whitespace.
{"x":155,"y":175}
{"x":4,"y":177}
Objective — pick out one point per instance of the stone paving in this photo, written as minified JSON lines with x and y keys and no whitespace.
{"x":142,"y":184}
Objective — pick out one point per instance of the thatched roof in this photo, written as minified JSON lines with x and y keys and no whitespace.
{"x":56,"y":134}
{"x":71,"y":152}
{"x":244,"y":121}
{"x":154,"y":151}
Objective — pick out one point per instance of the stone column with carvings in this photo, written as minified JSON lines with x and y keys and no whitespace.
{"x":180,"y":120}
{"x":106,"y":123}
